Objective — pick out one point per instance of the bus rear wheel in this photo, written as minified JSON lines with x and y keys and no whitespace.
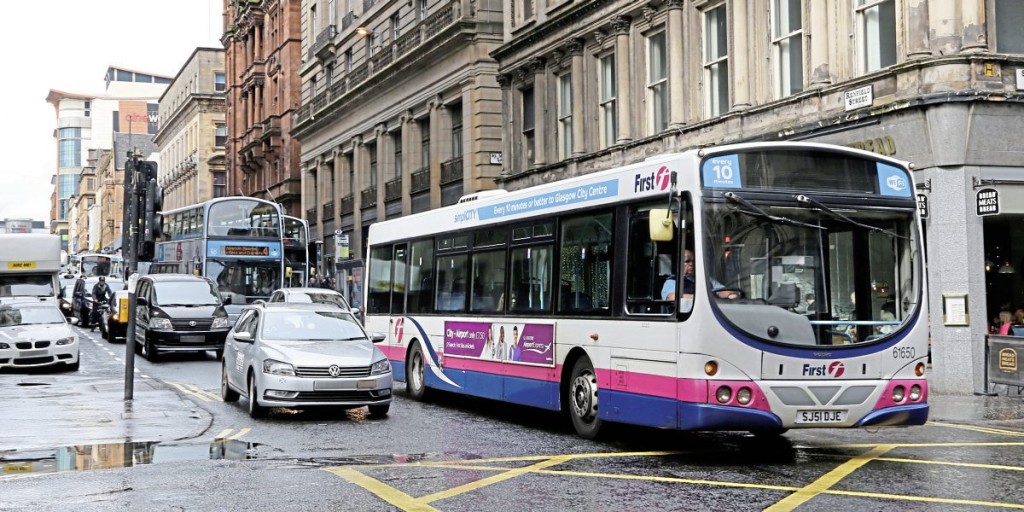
{"x":416,"y":374}
{"x":583,"y":400}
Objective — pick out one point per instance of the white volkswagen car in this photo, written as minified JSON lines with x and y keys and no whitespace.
{"x":301,"y":356}
{"x":36,"y":334}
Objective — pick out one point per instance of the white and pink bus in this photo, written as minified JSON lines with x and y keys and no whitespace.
{"x":756,"y":287}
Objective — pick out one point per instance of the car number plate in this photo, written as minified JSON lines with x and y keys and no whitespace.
{"x":820,"y":416}
{"x":193,"y":339}
{"x":32,"y":353}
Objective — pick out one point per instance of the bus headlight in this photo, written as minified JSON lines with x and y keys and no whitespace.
{"x":724,"y":394}
{"x":158,"y":324}
{"x":915,"y":392}
{"x":380,"y":367}
{"x":743,"y":396}
{"x":899,"y":393}
{"x":219,"y":322}
{"x":277,"y":367}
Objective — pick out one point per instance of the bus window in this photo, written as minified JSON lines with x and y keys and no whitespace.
{"x":585,"y":266}
{"x":531,"y":278}
{"x":488,"y":281}
{"x":451,"y":282}
{"x":398,"y":280}
{"x":421,"y":276}
{"x":379,"y":297}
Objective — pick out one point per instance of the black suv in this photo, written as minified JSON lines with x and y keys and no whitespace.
{"x":179,"y":313}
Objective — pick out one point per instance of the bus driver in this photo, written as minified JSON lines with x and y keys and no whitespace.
{"x":668,"y":290}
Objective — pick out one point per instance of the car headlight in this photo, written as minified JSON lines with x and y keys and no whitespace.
{"x":380,"y":367}
{"x":160,"y":323}
{"x":66,"y":341}
{"x":277,"y":367}
{"x":220,"y":322}
{"x":4,"y":346}
{"x":65,"y":305}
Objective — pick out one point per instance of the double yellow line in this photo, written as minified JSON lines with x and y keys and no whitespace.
{"x":197,"y":392}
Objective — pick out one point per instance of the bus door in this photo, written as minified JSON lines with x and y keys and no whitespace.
{"x":399,"y":280}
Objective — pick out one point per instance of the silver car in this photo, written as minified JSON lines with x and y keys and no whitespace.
{"x":307,"y":295}
{"x":36,"y":334}
{"x":304,"y":355}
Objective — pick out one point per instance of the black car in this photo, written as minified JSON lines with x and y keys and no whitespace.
{"x":82,"y":300}
{"x":178,"y":313}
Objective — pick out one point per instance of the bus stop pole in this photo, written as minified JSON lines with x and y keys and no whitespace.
{"x":130,"y":237}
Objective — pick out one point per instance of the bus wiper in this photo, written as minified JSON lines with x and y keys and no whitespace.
{"x":755,"y":211}
{"x":834,"y":214}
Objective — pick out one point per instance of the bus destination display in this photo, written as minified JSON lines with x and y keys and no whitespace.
{"x":246,"y":250}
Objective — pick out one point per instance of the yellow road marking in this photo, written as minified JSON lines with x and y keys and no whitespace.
{"x":508,"y":474}
{"x":196,"y":391}
{"x":960,"y":464}
{"x":799,"y":496}
{"x":986,"y":430}
{"x":389,"y":494}
{"x":829,"y":479}
{"x":241,"y":432}
{"x":921,"y":445}
{"x":223,"y":434}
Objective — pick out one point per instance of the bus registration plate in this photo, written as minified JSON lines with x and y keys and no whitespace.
{"x":820,"y":416}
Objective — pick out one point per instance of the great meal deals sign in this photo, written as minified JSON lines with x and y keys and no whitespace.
{"x":510,"y":342}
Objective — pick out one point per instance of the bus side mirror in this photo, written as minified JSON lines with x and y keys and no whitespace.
{"x":660,"y":225}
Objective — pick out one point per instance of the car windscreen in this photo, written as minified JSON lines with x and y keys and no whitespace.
{"x":10,"y":317}
{"x":318,"y":298}
{"x":310,"y":326}
{"x":184,"y":293}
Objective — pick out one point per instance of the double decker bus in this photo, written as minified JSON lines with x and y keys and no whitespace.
{"x":756,"y":287}
{"x":235,"y":241}
{"x":296,"y":250}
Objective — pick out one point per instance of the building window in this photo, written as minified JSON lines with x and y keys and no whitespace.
{"x":787,"y":43}
{"x":876,"y":22}
{"x":220,"y":184}
{"x":529,"y":121}
{"x":314,"y":23}
{"x":716,"y":62}
{"x":369,"y":45}
{"x":348,"y":61}
{"x":565,"y":116}
{"x":371,"y":151}
{"x":526,"y":10}
{"x":609,"y":125}
{"x":70,"y":147}
{"x":328,"y":75}
{"x":90,"y":184}
{"x":219,"y":82}
{"x":456,"y":117}
{"x":1008,"y":19}
{"x":423,"y":9}
{"x":349,"y":163}
{"x":397,"y":138}
{"x":425,"y":143}
{"x":657,"y":82}
{"x":395,"y":28}
{"x":221,"y":138}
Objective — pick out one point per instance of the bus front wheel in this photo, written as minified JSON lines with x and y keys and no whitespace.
{"x":416,"y":373}
{"x":583,"y":399}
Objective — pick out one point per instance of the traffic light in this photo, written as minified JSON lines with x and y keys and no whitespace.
{"x":152,"y":221}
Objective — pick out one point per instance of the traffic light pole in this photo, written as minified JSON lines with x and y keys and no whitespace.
{"x":129,"y":242}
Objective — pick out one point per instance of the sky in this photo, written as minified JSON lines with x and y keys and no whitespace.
{"x":69,"y":48}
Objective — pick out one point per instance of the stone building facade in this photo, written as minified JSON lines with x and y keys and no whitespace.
{"x":193,"y":132}
{"x":400,"y":113}
{"x":589,"y":86}
{"x":262,"y":57}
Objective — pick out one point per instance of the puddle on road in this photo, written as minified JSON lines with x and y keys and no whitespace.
{"x":120,"y":455}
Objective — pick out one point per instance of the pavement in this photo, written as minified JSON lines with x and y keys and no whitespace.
{"x":48,"y":411}
{"x":45,"y":412}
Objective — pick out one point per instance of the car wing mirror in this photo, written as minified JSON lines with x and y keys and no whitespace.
{"x":378,"y":337}
{"x":73,"y":321}
{"x":141,"y":301}
{"x":243,"y":337}
{"x":227,"y":300}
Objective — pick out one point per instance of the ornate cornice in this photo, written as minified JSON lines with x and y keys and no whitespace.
{"x":620,"y":24}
